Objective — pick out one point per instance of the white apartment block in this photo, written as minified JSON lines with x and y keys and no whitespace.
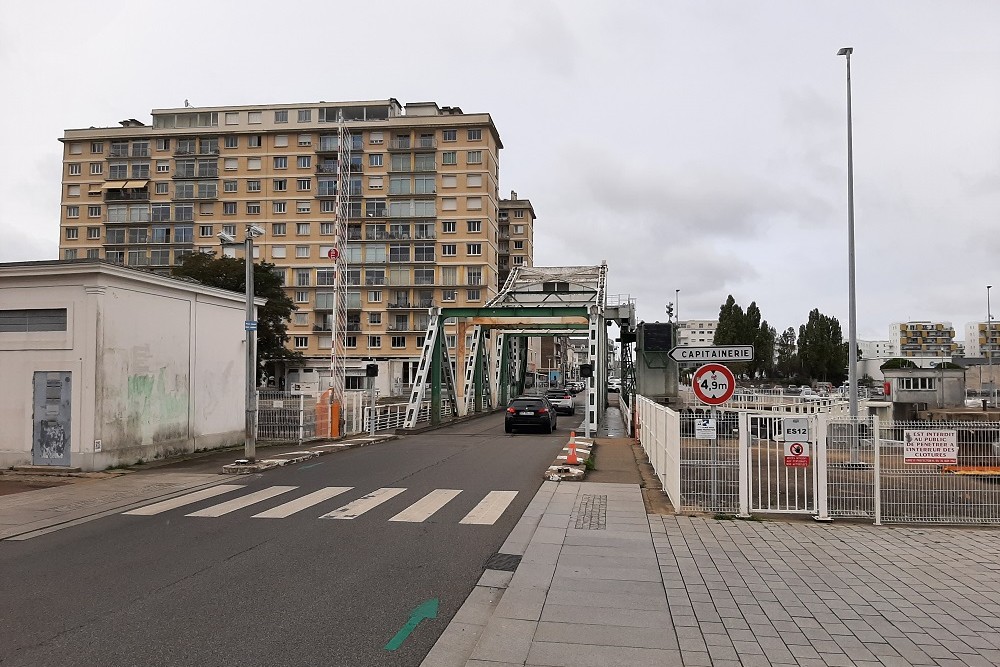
{"x":692,"y":333}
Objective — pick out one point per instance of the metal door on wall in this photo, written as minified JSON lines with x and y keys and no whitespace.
{"x":51,"y":418}
{"x":781,"y":466}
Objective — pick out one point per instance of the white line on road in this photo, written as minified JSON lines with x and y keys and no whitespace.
{"x":363,"y":504}
{"x":490,"y":508}
{"x":426,"y":506}
{"x":239,"y":503}
{"x":186,"y":499}
{"x":299,"y":504}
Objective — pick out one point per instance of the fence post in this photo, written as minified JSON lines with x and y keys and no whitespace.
{"x":819,"y":467}
{"x":877,"y":472}
{"x":302,"y":417}
{"x":744,"y":463}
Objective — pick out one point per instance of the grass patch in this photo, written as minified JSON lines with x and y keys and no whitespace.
{"x":733,"y":517}
{"x":589,"y":463}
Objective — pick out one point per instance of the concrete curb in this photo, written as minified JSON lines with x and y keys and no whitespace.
{"x":243,"y":467}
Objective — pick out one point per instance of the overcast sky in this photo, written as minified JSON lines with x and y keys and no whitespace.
{"x":698,"y":146}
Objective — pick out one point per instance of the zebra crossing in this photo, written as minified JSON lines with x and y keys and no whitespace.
{"x":486,"y":512}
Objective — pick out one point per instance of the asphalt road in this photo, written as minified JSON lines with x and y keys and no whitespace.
{"x":171,"y":589}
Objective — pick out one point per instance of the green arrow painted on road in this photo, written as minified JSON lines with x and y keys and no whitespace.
{"x":428,"y":609}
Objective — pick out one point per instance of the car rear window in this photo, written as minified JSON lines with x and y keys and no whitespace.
{"x":527,"y":404}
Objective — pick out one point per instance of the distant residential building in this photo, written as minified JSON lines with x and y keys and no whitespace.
{"x":923,"y":339}
{"x":692,"y":333}
{"x":982,"y":338}
{"x":875,"y":349}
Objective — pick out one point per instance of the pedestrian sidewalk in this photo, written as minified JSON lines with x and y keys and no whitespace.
{"x":600,"y":583}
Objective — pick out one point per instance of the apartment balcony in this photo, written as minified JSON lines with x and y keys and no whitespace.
{"x":139,"y":194}
{"x":401,"y":144}
{"x":425,"y":236}
{"x":191,"y":175}
{"x":504,"y":236}
{"x":376,"y":236}
{"x":328,"y":168}
{"x":399,"y":304}
{"x":374,"y":281}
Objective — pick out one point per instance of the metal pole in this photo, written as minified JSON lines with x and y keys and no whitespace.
{"x":852,"y":349}
{"x":371,"y":410}
{"x":250,"y":437}
{"x":677,"y":305}
{"x":989,"y":350}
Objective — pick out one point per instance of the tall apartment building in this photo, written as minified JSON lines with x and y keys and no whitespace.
{"x":922,"y":339}
{"x":982,"y":339}
{"x":694,"y":333}
{"x":426,"y":223}
{"x":875,"y":349}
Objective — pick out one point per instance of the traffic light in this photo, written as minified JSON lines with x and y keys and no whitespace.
{"x":586,"y":371}
{"x":371,"y":370}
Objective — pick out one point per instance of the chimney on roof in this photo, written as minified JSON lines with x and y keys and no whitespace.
{"x":513,"y":195}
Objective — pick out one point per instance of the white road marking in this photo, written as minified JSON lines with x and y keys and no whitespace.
{"x":243,"y":501}
{"x":299,"y":504}
{"x":363,"y":504}
{"x":426,"y":506}
{"x":187,"y":499}
{"x":490,"y":508}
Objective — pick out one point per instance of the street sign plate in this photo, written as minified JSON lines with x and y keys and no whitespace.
{"x":796,"y":454}
{"x":713,"y":384}
{"x":713,"y":353}
{"x":795,"y":429}
{"x":250,"y":325}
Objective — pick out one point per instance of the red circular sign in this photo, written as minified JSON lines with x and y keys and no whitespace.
{"x":332,"y":253}
{"x":713,"y":384}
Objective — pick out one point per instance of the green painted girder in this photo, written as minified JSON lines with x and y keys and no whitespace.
{"x":517,"y":311}
{"x":558,"y":326}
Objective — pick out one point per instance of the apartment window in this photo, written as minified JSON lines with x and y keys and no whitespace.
{"x":73,"y":233}
{"x":279,"y":184}
{"x":255,"y":141}
{"x":399,"y":341}
{"x":374,"y":342}
{"x":303,"y":206}
{"x":278,"y":252}
{"x":70,"y":254}
{"x":424,"y":185}
{"x":302,"y":252}
{"x":449,"y":250}
{"x":473,"y":248}
{"x":302,"y":296}
{"x":301,"y":342}
{"x":253,"y":208}
{"x":96,"y":168}
{"x":474,"y":157}
{"x":138,"y":235}
{"x":95,"y":253}
{"x":449,"y":157}
{"x":327,"y":228}
{"x":205,"y":231}
{"x":229,"y":208}
{"x":374,"y":318}
{"x":351,"y":342}
{"x":303,"y":277}
{"x":474,"y":226}
{"x":303,"y":184}
{"x":302,"y":229}
{"x":475,"y":135}
{"x":375,"y":182}
{"x":451,"y":340}
{"x":449,"y":204}
{"x":474,"y":203}
{"x":376,"y":138}
{"x":96,"y":147}
{"x":399,"y":252}
{"x":278,"y":229}
{"x":519,"y":214}
{"x":73,"y":191}
{"x":74,"y":169}
{"x":305,"y":115}
{"x":399,"y":185}
{"x":423,"y":252}
{"x":281,"y":141}
{"x":163,"y":166}
{"x":232,"y":118}
{"x":305,"y":140}
{"x":375,"y":160}
{"x":208,"y":191}
{"x":449,"y":275}
{"x":304,"y":161}
{"x":518,"y":229}
{"x":449,"y":135}
{"x":474,"y":276}
{"x":448,"y":295}
{"x":116,"y":236}
{"x":423,"y":162}
{"x":254,"y":117}
{"x":279,"y":207}
{"x":474,"y":181}
{"x":449,"y":226}
{"x":72,"y":212}
{"x":162,"y":188}
{"x":449,"y":181}
{"x":232,"y":141}
{"x":163,"y":144}
{"x":253,"y":186}
{"x":473,"y":294}
{"x":280,"y":162}
{"x":93,"y":211}
{"x":184,"y":234}
{"x":253,"y":164}
{"x":230,"y":164}
{"x":229,"y":186}
{"x":518,"y":245}
{"x":281,"y":116}
{"x":93,"y":233}
{"x":517,"y":259}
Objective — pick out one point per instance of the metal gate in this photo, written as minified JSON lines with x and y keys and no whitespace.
{"x":51,"y":439}
{"x":781,"y":472}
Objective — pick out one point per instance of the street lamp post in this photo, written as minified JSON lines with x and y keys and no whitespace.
{"x":852,"y":348}
{"x":989,"y":350}
{"x":250,"y":327}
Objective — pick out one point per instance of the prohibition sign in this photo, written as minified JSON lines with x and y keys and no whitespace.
{"x":713,"y":384}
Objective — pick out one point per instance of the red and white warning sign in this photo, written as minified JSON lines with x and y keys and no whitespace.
{"x":930,"y":446}
{"x":796,"y":454}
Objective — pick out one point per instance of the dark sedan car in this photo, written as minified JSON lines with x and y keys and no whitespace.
{"x":533,"y":412}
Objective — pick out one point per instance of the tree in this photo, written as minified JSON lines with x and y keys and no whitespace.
{"x":822,"y":352}
{"x":272,"y":318}
{"x":737,"y":327}
{"x":787,"y":363}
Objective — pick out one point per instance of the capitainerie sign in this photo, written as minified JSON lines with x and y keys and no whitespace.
{"x":713,"y":353}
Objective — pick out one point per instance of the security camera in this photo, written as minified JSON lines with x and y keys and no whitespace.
{"x":226,"y":238}
{"x":255,"y":231}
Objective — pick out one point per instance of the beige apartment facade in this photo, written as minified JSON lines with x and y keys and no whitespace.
{"x":424,"y":212}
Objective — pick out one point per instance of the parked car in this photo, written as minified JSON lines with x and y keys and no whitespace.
{"x":614,"y":385}
{"x":530,"y":412}
{"x":562,"y":400}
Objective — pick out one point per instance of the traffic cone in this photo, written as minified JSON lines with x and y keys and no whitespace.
{"x":572,"y":458}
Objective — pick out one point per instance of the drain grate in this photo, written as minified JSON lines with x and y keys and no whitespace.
{"x":505,"y":562}
{"x":591,"y":513}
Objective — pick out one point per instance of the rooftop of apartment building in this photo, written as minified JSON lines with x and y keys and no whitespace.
{"x":306,"y":114}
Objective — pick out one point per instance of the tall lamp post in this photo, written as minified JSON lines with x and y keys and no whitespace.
{"x":250,"y":325}
{"x":989,"y":350}
{"x":852,"y":347}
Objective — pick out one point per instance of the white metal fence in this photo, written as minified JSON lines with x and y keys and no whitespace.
{"x":285,"y":416}
{"x":358,"y":412}
{"x":859,"y":468}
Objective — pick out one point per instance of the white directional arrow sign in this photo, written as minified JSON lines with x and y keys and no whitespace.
{"x":713,"y":353}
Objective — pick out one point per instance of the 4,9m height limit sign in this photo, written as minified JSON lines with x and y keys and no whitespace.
{"x":713,"y":384}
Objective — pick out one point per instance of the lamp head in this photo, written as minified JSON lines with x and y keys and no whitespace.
{"x":254,"y":231}
{"x":226,"y":238}
{"x":846,"y":51}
